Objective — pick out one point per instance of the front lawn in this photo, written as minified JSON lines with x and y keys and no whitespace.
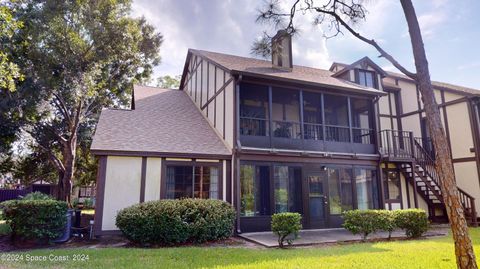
{"x":430,"y":253}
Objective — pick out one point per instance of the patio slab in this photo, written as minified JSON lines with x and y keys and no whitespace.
{"x":325,"y":236}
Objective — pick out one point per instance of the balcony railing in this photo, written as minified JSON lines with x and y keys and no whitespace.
{"x":396,"y":144}
{"x":254,"y":126}
{"x":311,"y":131}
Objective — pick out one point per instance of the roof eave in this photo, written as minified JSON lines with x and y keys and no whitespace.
{"x":354,"y":90}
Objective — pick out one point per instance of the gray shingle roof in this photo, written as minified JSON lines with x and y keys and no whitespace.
{"x":435,"y":84}
{"x":163,"y":121}
{"x":299,"y":74}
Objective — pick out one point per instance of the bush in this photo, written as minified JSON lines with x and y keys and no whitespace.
{"x":386,"y":221}
{"x":413,"y":221}
{"x":176,"y":221}
{"x":362,"y":222}
{"x":286,"y":224}
{"x":35,"y":219}
{"x":37,"y":196}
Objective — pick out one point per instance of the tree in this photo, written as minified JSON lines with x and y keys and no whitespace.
{"x":169,"y":82}
{"x":340,"y":15}
{"x":79,"y":56}
{"x":9,"y":71}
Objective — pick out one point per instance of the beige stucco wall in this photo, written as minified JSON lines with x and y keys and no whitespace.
{"x":467,"y":179}
{"x":122,"y":187}
{"x":152,"y":179}
{"x":408,"y":95}
{"x":461,"y":139}
{"x":421,"y":202}
{"x":412,"y":123}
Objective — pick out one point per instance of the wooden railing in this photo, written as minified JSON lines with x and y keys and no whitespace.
{"x":396,"y":144}
{"x":426,"y":162}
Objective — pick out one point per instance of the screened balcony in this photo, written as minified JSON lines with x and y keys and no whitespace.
{"x":285,"y":118}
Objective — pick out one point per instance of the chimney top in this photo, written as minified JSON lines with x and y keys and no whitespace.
{"x":282,"y":51}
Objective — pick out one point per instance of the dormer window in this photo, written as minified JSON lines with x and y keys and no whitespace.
{"x":367,"y":78}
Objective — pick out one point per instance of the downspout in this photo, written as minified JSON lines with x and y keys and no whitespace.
{"x":236,"y":149}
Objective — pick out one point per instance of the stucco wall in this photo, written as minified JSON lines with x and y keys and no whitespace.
{"x":461,"y":139}
{"x":467,"y":179}
{"x":122,"y":187}
{"x":152,"y":179}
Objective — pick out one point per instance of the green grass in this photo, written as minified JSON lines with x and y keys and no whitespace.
{"x":430,"y":253}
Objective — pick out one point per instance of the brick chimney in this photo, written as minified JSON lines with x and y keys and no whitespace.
{"x":282,"y":51}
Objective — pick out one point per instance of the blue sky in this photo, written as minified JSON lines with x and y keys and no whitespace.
{"x":451,"y":31}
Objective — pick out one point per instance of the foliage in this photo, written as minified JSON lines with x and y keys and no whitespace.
{"x":285,"y":225}
{"x":169,"y":82}
{"x":37,"y":196}
{"x":362,"y":222}
{"x":35,"y":219}
{"x":77,"y":57}
{"x":9,"y":71}
{"x":176,"y":221}
{"x":413,"y":221}
{"x":365,"y":222}
{"x":387,"y":221}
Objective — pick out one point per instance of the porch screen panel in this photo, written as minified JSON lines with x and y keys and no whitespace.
{"x":255,"y":190}
{"x":367,"y":188}
{"x":336,"y":118}
{"x":340,"y":190}
{"x":361,"y":120}
{"x":286,"y":113}
{"x":287,"y":192}
{"x":312,"y":116}
{"x":253,"y":110}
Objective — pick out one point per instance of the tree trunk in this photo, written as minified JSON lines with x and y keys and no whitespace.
{"x":65,"y":182}
{"x":443,"y":163}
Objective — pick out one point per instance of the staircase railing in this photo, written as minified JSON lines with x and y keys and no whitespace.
{"x":424,"y":159}
{"x":396,"y":144}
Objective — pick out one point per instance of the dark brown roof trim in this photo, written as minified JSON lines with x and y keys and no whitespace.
{"x":313,"y":84}
{"x":159,"y":154}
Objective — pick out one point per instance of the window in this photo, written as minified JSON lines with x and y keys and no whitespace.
{"x":367,"y":78}
{"x":192,"y":181}
{"x":340,"y":190}
{"x":255,"y":190}
{"x":287,"y":192}
{"x":366,"y":187}
{"x":391,"y":184}
{"x":286,"y":113}
{"x":336,"y":118}
{"x":253,"y":110}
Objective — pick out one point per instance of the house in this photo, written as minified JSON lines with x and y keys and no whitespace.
{"x":270,"y":136}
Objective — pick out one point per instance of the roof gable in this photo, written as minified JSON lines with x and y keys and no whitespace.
{"x":364,"y":63}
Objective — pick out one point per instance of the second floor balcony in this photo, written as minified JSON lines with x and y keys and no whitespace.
{"x":298,"y":119}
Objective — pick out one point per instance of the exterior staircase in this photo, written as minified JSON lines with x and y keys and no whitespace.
{"x":418,"y":167}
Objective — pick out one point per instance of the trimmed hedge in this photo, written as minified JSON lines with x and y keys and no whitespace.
{"x":285,"y":224}
{"x":35,"y":219}
{"x":176,"y":221}
{"x":365,"y":222}
{"x":413,"y":221}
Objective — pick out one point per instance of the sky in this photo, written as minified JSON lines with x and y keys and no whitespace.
{"x":450,"y":29}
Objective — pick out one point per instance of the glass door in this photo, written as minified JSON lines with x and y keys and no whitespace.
{"x":317,"y":200}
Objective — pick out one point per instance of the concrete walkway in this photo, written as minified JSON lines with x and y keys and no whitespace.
{"x":324,"y":236}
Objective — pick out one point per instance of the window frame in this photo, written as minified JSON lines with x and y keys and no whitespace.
{"x":358,"y":72}
{"x":193,"y":164}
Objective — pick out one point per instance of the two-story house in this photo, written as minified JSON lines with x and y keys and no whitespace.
{"x":270,"y":136}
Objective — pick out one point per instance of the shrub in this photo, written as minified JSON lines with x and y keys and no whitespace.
{"x":286,"y":224}
{"x":362,"y":222}
{"x":37,"y":196}
{"x":35,"y":219}
{"x":176,"y":221}
{"x":413,"y":221}
{"x":386,"y":221}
